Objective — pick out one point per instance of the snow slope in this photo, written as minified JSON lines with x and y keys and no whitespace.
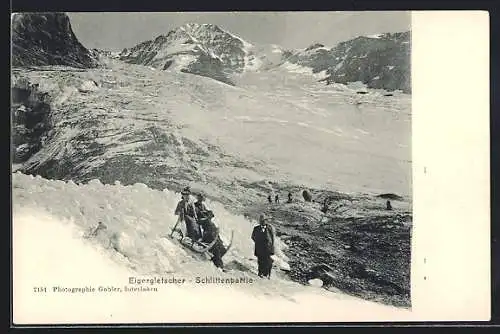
{"x":52,"y":218}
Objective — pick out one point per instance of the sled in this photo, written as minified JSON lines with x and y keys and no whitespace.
{"x":197,"y":246}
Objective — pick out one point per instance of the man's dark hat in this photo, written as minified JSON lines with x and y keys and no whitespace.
{"x":186,"y":191}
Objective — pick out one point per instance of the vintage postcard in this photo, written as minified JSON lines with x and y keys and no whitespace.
{"x":250,"y":167}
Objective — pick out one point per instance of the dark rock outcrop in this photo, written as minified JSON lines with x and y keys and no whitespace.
{"x":307,"y":195}
{"x":390,"y":196}
{"x":30,"y":113}
{"x":40,"y":39}
{"x":381,"y":62}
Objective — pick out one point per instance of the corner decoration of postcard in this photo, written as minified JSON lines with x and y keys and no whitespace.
{"x":250,"y":167}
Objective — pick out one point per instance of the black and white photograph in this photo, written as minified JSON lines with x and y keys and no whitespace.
{"x":229,"y":166}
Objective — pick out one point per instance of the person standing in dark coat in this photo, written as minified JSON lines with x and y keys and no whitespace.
{"x":211,"y":233}
{"x":263,"y":237}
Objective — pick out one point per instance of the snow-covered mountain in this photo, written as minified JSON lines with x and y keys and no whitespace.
{"x":47,"y":39}
{"x":203,"y":49}
{"x":379,"y":61}
{"x":272,"y":97}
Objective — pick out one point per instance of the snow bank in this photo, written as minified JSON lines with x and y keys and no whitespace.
{"x":52,"y":218}
{"x":50,"y":253}
{"x":136,"y":218}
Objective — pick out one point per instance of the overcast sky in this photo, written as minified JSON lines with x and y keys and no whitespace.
{"x":116,"y":31}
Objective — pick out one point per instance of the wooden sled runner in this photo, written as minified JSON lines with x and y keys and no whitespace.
{"x":197,"y":246}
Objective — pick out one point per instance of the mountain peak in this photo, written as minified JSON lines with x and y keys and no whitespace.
{"x":198,"y":48}
{"x":314,"y":46}
{"x":209,"y":32}
{"x":200,"y":29}
{"x":197,"y":26}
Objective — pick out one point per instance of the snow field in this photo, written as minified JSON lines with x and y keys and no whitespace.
{"x":52,"y":218}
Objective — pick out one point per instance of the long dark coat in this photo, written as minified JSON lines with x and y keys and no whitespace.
{"x":263,"y":236}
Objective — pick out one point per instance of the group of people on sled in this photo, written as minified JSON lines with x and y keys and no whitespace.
{"x":201,"y":228}
{"x":199,"y":224}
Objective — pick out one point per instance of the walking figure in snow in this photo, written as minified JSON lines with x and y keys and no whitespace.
{"x":276,"y":199}
{"x":388,"y":205}
{"x":263,"y":237}
{"x":211,"y":233}
{"x":187,"y":213}
{"x":269,"y":198}
{"x":325,"y":206}
{"x":289,"y":197}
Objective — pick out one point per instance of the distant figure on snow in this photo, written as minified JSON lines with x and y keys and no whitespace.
{"x":325,"y":206}
{"x":187,"y":213}
{"x":263,"y":237}
{"x":388,"y":205}
{"x":269,"y":198}
{"x":211,"y":233}
{"x":289,"y":197}
{"x":276,"y":199}
{"x":95,"y":230}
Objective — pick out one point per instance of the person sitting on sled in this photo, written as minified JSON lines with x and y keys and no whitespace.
{"x":199,"y":205}
{"x":211,"y":233}
{"x":187,"y":213}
